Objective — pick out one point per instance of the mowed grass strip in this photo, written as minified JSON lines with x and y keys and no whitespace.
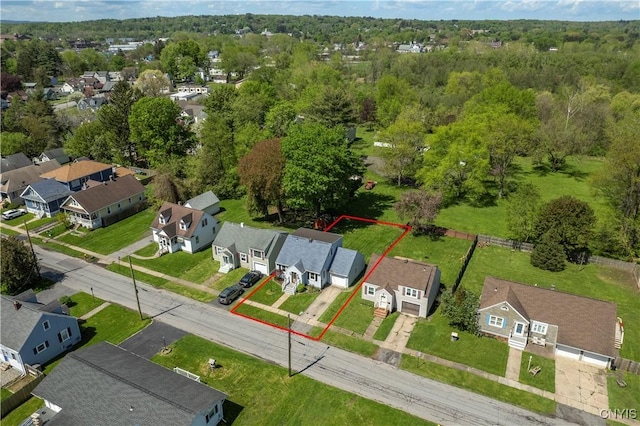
{"x":262,"y":393}
{"x":113,"y":324}
{"x":261,"y":314}
{"x":116,"y":236}
{"x":433,"y":336}
{"x":478,"y":384}
{"x":194,"y":267}
{"x":595,"y":281}
{"x":83,"y":303}
{"x":385,"y":326}
{"x":158,"y":282}
{"x":230,"y":278}
{"x":299,"y":302}
{"x":545,"y":379}
{"x":349,"y":343}
{"x":356,"y":316}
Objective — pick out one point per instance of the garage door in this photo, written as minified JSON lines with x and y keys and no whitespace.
{"x":342,"y":282}
{"x":567,"y":352}
{"x":261,"y":267}
{"x":595,"y":359}
{"x":410,"y":308}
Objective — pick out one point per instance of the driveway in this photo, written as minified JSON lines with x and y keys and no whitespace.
{"x":581,"y":385}
{"x":149,"y":341}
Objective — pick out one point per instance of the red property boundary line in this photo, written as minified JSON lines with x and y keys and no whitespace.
{"x":406,"y":228}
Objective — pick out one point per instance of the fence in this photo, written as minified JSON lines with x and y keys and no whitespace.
{"x":21,"y":395}
{"x":467,"y":259}
{"x":502,"y":242}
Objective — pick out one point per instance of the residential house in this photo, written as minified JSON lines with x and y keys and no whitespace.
{"x":104,"y":203}
{"x":574,"y":326}
{"x":177,"y":228}
{"x":14,"y":161}
{"x":238,"y":245}
{"x":93,"y":103}
{"x":57,"y":154}
{"x":192,"y":113}
{"x":14,"y":182}
{"x":307,"y":257}
{"x":75,"y":174}
{"x":44,"y":198}
{"x":207,"y":202}
{"x":403,"y":285}
{"x":193,"y":88}
{"x":107,"y":385}
{"x":35,"y":333}
{"x":71,"y":85}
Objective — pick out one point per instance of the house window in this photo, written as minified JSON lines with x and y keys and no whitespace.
{"x":45,"y":325}
{"x":129,"y":200}
{"x":204,"y":222}
{"x":218,"y":250}
{"x":41,"y":347}
{"x":257,"y":253}
{"x":496,"y":321}
{"x":313,"y":276}
{"x":109,"y":211}
{"x":183,"y":225}
{"x":243,"y":257}
{"x":539,"y":327}
{"x":162,"y":220}
{"x":197,"y":239}
{"x":411,"y":292}
{"x":64,"y":335}
{"x":139,"y":197}
{"x":118,"y":205}
{"x":369,"y":290}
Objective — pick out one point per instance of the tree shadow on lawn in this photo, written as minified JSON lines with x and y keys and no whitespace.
{"x":370,"y":204}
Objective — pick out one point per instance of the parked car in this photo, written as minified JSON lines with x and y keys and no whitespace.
{"x":229,"y":294}
{"x":250,"y":278}
{"x":12,"y":214}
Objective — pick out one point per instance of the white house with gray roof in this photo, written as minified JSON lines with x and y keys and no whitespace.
{"x":107,"y":385}
{"x":238,"y":245}
{"x":207,"y":202}
{"x":317,"y":259}
{"x":34,"y":333}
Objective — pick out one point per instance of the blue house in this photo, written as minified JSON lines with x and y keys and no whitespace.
{"x":74,"y":175}
{"x":44,"y":198}
{"x":34,"y":333}
{"x":317,"y":259}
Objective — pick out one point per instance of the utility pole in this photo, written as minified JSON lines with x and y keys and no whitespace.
{"x":33,"y":253}
{"x":135,"y":288}
{"x":289,"y":333}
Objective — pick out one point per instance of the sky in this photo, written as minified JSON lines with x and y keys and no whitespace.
{"x":570,"y":10}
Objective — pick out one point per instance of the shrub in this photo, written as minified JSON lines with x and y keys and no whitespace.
{"x":66,"y":300}
{"x":301,"y":288}
{"x":548,"y":254}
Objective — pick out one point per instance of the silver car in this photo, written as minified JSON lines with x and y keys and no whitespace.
{"x":12,"y":214}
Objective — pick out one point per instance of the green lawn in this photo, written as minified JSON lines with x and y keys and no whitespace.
{"x":627,"y":397}
{"x":385,"y":327}
{"x":54,"y":246}
{"x":148,"y":251}
{"x":230,"y":278}
{"x":112,"y":324}
{"x":195,"y":294}
{"x":356,"y":316}
{"x":266,"y":316}
{"x":268,"y":293}
{"x":299,"y":302}
{"x":367,"y":238}
{"x":33,"y":224}
{"x":598,"y":282}
{"x":545,"y":379}
{"x":4,"y":394}
{"x":446,"y":252}
{"x":196,"y":267}
{"x":236,"y":211}
{"x":261,"y":393}
{"x":491,"y":219}
{"x":337,"y":303}
{"x":7,"y":231}
{"x":83,"y":303}
{"x":20,"y":414}
{"x":19,"y":221}
{"x":55,"y":231}
{"x":433,"y":336}
{"x":349,"y":343}
{"x":116,"y":236}
{"x":478,"y":384}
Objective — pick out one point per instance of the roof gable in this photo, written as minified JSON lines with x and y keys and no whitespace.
{"x":202,"y":201}
{"x":76,"y":170}
{"x":107,"y":193}
{"x":313,"y":253}
{"x":582,"y":322}
{"x":243,"y":238}
{"x":47,"y":190}
{"x":20,"y":178}
{"x":343,"y":261}
{"x":174,"y":213}
{"x":395,"y":272}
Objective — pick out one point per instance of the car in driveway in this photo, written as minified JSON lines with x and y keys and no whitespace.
{"x":229,"y":294}
{"x":250,"y":278}
{"x":12,"y":214}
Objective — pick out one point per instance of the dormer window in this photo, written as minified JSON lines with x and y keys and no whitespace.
{"x":183,"y":225}
{"x":162,"y":220}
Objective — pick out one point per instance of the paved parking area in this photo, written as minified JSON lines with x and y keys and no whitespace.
{"x":149,"y":341}
{"x":581,"y":385}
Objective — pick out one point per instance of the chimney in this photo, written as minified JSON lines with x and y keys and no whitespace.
{"x":16,"y":305}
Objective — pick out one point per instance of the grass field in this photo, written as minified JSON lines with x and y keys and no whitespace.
{"x":593,"y":281}
{"x":261,"y":314}
{"x":337,"y":303}
{"x":478,"y":384}
{"x":116,"y":236}
{"x":545,"y":379}
{"x":230,"y":278}
{"x":261,"y":393}
{"x":195,"y":294}
{"x":4,"y":394}
{"x":433,"y":336}
{"x":7,"y":231}
{"x":20,"y":414}
{"x":112,"y":324}
{"x":83,"y":303}
{"x":299,"y":302}
{"x":268,"y":293}
{"x":367,"y":238}
{"x":356,"y":316}
{"x":385,"y":327}
{"x":196,"y":267}
{"x":148,"y":251}
{"x":627,"y":397}
{"x":349,"y":343}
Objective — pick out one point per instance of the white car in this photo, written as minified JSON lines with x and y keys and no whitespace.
{"x":12,"y":214}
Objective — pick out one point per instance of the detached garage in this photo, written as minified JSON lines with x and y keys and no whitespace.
{"x":346,"y":267}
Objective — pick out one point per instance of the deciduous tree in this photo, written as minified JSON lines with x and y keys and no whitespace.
{"x":19,"y":266}
{"x":420,"y":208}
{"x":461,"y":309}
{"x":152,"y":83}
{"x":522,"y":212}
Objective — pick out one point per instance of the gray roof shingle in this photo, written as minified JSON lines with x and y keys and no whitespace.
{"x":243,"y":238}
{"x":107,"y":385}
{"x":14,"y":180}
{"x":202,"y":201}
{"x":48,"y":190}
{"x":343,"y":261}
{"x":394,"y":272}
{"x":313,"y":253}
{"x":106,"y":193}
{"x":14,"y":161}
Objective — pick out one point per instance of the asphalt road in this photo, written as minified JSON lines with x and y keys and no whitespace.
{"x":363,"y":376}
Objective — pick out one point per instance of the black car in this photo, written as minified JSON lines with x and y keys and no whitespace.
{"x":229,"y":294}
{"x":250,"y":278}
